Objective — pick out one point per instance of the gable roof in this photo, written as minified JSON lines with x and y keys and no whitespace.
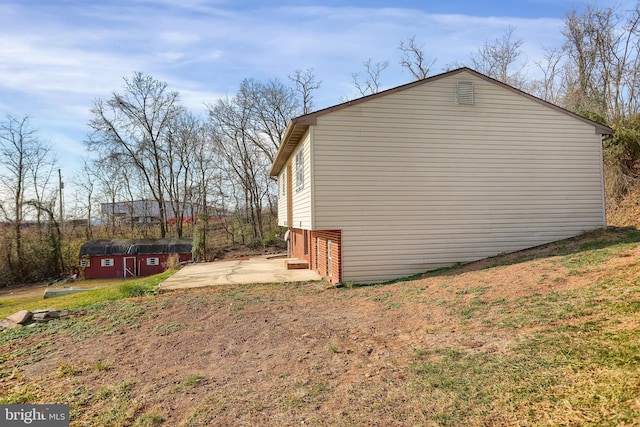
{"x":298,"y":126}
{"x":136,"y":246}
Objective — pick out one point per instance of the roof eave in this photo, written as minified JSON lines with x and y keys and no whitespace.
{"x":292,"y":136}
{"x":603,"y":130}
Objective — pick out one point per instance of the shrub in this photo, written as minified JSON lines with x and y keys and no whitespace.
{"x":172,"y":262}
{"x":270,"y":238}
{"x":621,"y":158}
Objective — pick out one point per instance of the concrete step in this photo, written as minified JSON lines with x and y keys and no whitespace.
{"x":56,"y":292}
{"x":296,"y":264}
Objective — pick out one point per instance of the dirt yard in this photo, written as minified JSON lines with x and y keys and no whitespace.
{"x":306,"y":353}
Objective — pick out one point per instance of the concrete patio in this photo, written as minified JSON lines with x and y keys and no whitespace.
{"x":262,"y":269}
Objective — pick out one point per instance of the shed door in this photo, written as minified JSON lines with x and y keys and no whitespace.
{"x":130,"y":266}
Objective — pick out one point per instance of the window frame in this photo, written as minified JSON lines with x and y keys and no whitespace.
{"x":300,"y":170}
{"x":153,"y":261}
{"x":107,"y":262}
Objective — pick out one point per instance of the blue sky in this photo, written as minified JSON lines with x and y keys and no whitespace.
{"x":58,"y":56}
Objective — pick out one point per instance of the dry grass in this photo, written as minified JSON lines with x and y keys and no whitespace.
{"x":106,"y":290}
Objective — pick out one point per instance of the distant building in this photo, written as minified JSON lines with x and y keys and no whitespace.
{"x":148,"y":212}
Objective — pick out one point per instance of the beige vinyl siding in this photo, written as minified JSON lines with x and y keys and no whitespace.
{"x":282,"y":198}
{"x":301,"y":198}
{"x":415,"y":181}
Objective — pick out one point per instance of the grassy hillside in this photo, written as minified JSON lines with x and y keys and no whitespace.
{"x":545,"y":337}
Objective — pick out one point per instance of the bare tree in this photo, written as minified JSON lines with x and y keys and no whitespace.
{"x":134,"y":125}
{"x":110,"y":174}
{"x":245,"y":162}
{"x":414,"y":59}
{"x":604,"y":51}
{"x":55,"y":258}
{"x":247,"y":130}
{"x":305,"y":83}
{"x":16,"y":137}
{"x":581,"y":41}
{"x":85,"y":182}
{"x":41,"y":168}
{"x":499,"y":58}
{"x":26,"y":166}
{"x":207,"y":174}
{"x":185,"y":140}
{"x":270,"y":107}
{"x":552,"y":86}
{"x":372,"y":82}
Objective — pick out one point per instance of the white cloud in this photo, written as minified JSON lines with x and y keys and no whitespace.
{"x":171,"y":56}
{"x":197,"y":100}
{"x":179,"y":38}
{"x":34,"y":66}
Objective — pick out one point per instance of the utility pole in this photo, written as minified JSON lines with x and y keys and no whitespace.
{"x":61,"y":187}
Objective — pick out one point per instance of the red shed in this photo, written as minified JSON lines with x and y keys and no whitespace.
{"x":120,"y":258}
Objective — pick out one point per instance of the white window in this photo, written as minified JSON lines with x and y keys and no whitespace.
{"x":106,"y":262}
{"x":84,"y":262}
{"x":283,"y":185}
{"x":153,"y":261}
{"x":300,"y":170}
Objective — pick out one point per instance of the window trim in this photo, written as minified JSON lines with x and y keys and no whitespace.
{"x":153,"y":261}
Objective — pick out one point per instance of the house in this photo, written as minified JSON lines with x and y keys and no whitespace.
{"x":106,"y":259}
{"x":453,"y":168}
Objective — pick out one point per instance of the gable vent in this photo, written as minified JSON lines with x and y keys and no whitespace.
{"x":464,"y":93}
